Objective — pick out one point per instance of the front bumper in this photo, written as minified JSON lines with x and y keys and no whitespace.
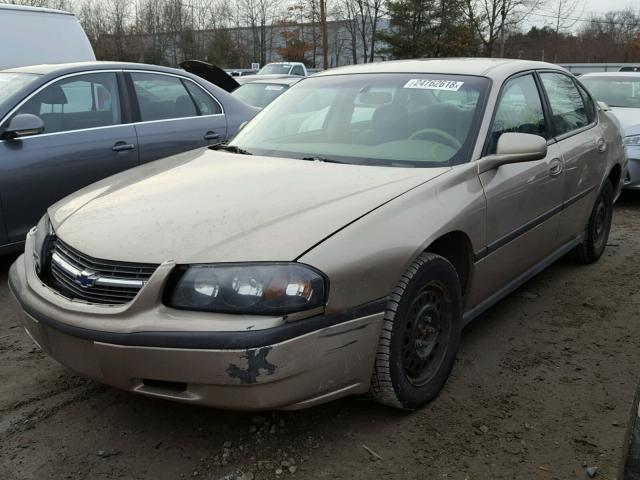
{"x":286,"y":365}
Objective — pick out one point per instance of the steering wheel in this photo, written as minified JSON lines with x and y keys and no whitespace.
{"x":437,"y":135}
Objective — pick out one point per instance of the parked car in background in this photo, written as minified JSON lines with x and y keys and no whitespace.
{"x":305,"y":262}
{"x":621,"y":92}
{"x":284,"y":68}
{"x":261,"y":93}
{"x":255,"y":90}
{"x":65,"y":126}
{"x":33,"y":36}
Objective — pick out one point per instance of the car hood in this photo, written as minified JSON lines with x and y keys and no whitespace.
{"x":213,"y":206}
{"x":629,"y":119}
{"x":210,"y":73}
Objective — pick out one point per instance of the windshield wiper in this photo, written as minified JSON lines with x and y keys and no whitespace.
{"x":230,"y":148}
{"x":321,"y":159}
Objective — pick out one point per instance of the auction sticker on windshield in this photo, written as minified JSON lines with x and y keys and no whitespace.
{"x":449,"y":85}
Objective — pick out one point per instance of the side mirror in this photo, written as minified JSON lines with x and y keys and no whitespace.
{"x":514,"y":148}
{"x":604,"y":107}
{"x":22,"y":125}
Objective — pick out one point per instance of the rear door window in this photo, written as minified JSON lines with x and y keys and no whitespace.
{"x":76,"y":103}
{"x":567,"y":106}
{"x":162,"y":97}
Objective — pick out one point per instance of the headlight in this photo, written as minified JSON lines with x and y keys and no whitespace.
{"x":247,"y":288}
{"x":632,"y":141}
{"x":41,"y":242}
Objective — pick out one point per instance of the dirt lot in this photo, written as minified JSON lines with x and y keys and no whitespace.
{"x":542,"y":389}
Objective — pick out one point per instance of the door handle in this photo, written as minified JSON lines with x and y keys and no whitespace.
{"x":555,"y":167}
{"x":123,"y":146}
{"x":602,"y":145}
{"x":212,"y":136}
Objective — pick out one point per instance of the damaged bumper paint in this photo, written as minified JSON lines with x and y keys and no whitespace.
{"x":198,"y":358}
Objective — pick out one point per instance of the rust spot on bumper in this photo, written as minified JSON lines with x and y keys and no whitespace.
{"x":256,"y":361}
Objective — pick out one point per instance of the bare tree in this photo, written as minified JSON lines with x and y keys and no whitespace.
{"x":491,"y":19}
{"x":564,"y":12}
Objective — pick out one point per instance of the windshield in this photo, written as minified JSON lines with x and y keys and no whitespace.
{"x":11,"y":83}
{"x":275,"y":69}
{"x":615,"y":91}
{"x":420,"y":120}
{"x":259,"y":94}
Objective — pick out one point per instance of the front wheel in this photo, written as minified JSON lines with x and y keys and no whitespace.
{"x":420,"y":334}
{"x":596,"y":234}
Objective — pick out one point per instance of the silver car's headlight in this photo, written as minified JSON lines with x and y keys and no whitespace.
{"x":41,"y":242}
{"x":246,"y":288}
{"x":632,"y":141}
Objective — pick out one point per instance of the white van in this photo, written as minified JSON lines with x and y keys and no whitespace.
{"x":33,"y":36}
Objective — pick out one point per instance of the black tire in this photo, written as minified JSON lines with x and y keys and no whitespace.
{"x":596,"y":234}
{"x":420,"y":335}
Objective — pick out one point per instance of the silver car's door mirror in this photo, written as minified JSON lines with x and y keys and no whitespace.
{"x":23,"y":125}
{"x":514,"y":148}
{"x":604,"y":107}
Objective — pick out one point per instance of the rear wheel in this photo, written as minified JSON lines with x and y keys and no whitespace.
{"x":420,"y":334}
{"x":598,"y":228}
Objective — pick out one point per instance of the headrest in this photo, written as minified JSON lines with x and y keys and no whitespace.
{"x":53,"y":95}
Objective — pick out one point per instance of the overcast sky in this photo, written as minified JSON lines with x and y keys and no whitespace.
{"x":545,"y":14}
{"x":603,"y":6}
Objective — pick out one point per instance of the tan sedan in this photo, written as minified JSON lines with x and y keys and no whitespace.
{"x":336,"y":246}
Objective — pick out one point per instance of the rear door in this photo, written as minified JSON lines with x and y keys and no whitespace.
{"x":174,"y":115}
{"x":86,"y":138}
{"x":583,"y":147}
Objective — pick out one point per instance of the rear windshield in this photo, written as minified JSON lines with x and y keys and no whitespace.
{"x":275,"y":69}
{"x":615,"y":91}
{"x":11,"y":83}
{"x":421,"y":120}
{"x":259,"y":94}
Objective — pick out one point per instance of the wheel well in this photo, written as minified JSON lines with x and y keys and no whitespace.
{"x":614,"y":177}
{"x":456,"y":247}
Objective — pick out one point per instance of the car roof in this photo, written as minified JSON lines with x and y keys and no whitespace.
{"x":611,"y":74}
{"x":64,"y":68}
{"x":485,"y":67}
{"x":25,"y":8}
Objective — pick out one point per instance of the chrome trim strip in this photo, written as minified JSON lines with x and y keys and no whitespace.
{"x":99,"y":281}
{"x":119,"y":282}
{"x":66,"y":266}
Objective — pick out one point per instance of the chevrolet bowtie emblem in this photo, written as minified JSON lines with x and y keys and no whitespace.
{"x":86,"y":279}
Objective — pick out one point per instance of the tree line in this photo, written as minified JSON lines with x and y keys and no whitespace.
{"x":323,"y":33}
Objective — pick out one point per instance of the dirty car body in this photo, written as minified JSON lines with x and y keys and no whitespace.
{"x":336,"y":247}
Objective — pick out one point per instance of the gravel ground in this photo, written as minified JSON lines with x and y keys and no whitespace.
{"x":542,"y":389}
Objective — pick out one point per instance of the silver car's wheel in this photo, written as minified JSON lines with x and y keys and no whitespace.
{"x":420,"y":334}
{"x":597,"y":231}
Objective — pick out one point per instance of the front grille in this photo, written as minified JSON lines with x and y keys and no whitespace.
{"x":80,"y":277}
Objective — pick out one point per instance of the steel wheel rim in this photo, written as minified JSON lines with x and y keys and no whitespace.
{"x":601,"y":221}
{"x":426,"y":333}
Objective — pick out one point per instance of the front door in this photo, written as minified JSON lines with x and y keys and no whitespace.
{"x":175,"y":115}
{"x":523,"y":199}
{"x":84,"y":141}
